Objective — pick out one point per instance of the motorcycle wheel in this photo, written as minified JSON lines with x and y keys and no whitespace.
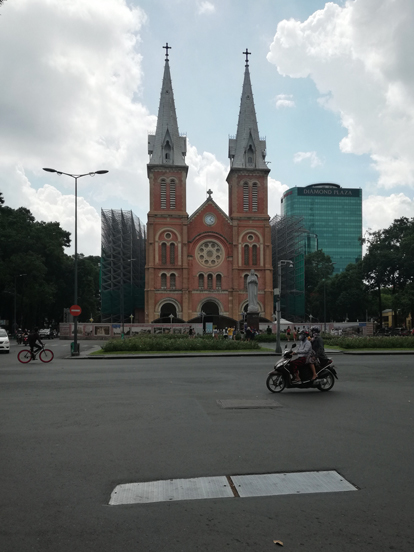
{"x":328,"y":383}
{"x":275,"y":383}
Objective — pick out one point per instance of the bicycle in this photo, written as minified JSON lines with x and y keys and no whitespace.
{"x":45,"y":355}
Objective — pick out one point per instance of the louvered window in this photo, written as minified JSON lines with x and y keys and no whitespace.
{"x":254,"y":196}
{"x":172,"y":194}
{"x":245,"y":281}
{"x":163,"y":281}
{"x":163,"y":194}
{"x":209,"y":281}
{"x":254,"y":255}
{"x":172,"y":281}
{"x":218,"y":281}
{"x":245,"y":196}
{"x":246,"y":254}
{"x":163,"y":253}
{"x":201,"y":281}
{"x":172,"y":253}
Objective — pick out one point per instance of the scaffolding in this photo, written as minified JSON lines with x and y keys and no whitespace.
{"x":291,"y":241}
{"x":123,"y":241}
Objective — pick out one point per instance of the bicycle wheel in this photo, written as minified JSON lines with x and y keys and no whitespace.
{"x":24,"y":356}
{"x":46,"y":355}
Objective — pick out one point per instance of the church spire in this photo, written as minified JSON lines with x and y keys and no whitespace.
{"x":166,"y":146}
{"x":247,"y":150}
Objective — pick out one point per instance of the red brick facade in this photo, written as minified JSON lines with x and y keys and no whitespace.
{"x":200,"y":262}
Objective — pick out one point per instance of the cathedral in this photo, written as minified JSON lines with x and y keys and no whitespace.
{"x":197,"y":265}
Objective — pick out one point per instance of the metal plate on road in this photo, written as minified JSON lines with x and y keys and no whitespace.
{"x":271,"y":484}
{"x":248,"y":403}
{"x":291,"y":483}
{"x":172,"y":489}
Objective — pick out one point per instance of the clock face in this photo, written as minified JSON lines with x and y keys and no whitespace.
{"x":209,"y":219}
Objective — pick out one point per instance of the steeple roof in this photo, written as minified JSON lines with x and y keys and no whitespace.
{"x":247,"y":150}
{"x":167,"y":147}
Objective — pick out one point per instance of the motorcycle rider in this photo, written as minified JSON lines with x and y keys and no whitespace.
{"x":302,"y":351}
{"x":318,"y":346}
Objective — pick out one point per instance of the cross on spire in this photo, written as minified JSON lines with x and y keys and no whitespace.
{"x":209,"y":193}
{"x":166,"y":50}
{"x":247,"y":54}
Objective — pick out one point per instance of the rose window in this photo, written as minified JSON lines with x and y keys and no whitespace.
{"x":210,"y":253}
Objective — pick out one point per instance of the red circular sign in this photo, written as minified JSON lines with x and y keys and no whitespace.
{"x":75,"y":310}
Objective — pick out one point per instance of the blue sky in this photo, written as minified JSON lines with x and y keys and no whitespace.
{"x":332,"y":84}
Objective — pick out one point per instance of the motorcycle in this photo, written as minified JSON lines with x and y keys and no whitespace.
{"x":281,"y":376}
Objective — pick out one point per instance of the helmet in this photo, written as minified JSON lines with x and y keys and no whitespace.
{"x":303,"y":335}
{"x":315,"y":329}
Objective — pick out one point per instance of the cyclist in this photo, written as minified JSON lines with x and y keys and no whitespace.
{"x":34,"y":337}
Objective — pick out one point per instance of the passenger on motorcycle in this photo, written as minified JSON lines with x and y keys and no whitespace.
{"x":302,"y":351}
{"x":318,"y":346}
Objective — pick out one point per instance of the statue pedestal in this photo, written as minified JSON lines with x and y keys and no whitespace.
{"x":253,"y":320}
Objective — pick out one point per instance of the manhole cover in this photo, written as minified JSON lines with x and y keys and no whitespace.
{"x":248,"y":403}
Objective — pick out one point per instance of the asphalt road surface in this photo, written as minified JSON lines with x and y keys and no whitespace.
{"x":72,"y":430}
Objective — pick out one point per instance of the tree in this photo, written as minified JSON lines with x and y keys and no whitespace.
{"x":389,"y":261}
{"x":318,"y":269}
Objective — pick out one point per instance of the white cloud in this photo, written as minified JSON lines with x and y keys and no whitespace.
{"x":206,"y":7}
{"x":205,"y":172}
{"x":284,"y":100}
{"x":311,"y":155}
{"x":275,"y":191}
{"x":380,"y":212}
{"x":68,"y":101}
{"x":359,"y":57}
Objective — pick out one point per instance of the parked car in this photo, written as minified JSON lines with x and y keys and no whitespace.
{"x":383,"y":332}
{"x":46,"y":333}
{"x":4,"y":341}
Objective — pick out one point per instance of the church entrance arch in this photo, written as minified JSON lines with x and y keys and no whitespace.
{"x":167,"y":309}
{"x":210,"y":312}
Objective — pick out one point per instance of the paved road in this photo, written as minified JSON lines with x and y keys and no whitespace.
{"x":72,"y":430}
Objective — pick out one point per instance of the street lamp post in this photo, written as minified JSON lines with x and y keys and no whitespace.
{"x":279,"y":281}
{"x":75,"y":177}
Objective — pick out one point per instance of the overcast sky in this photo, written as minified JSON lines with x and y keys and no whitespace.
{"x":333,"y":86}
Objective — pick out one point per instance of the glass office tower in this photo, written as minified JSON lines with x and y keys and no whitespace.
{"x":334,"y":215}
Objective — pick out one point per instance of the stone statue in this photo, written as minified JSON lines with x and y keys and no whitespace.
{"x":252,"y":287}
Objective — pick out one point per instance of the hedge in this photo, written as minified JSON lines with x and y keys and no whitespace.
{"x":166,"y":342}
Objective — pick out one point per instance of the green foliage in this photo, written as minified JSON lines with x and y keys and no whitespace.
{"x":35,"y":270}
{"x":389,"y":263}
{"x":146,"y":343}
{"x":371,"y":342}
{"x":266,"y":338}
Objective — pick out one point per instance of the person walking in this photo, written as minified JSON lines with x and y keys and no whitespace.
{"x":288,"y":333}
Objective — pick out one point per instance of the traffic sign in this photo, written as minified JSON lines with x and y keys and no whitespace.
{"x":75,"y":310}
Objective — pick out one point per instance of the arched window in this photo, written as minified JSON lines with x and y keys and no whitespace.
{"x":172,"y":253}
{"x":218,"y":281}
{"x":250,"y":156}
{"x":172,"y":194}
{"x":254,"y":255}
{"x":246,"y":196}
{"x":209,"y":281}
{"x":167,"y":151}
{"x":245,"y":281}
{"x":163,"y":194}
{"x":172,"y":281}
{"x":246,"y":255}
{"x":163,"y":253}
{"x":201,"y":281}
{"x":163,"y":281}
{"x":254,"y":196}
